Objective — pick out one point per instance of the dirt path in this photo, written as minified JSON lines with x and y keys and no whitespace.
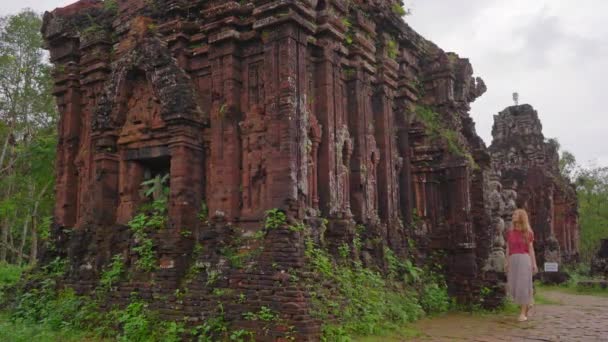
{"x":571,"y":318}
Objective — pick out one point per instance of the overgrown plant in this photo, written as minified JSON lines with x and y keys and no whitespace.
{"x":364,"y":301}
{"x":392,"y":49}
{"x":399,"y":10}
{"x":274,"y":218}
{"x":152,"y":216}
{"x":112,"y":273}
{"x":437,"y":130}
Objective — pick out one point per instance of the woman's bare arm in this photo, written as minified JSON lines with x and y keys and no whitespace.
{"x":507,"y":258}
{"x":533,"y":257}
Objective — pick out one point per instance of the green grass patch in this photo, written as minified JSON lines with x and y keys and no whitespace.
{"x":404,"y":333}
{"x":576,"y":290}
{"x":22,"y":331}
{"x":9,"y":276}
{"x":578,"y":273}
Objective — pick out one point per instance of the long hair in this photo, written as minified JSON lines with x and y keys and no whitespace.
{"x":522,"y":224}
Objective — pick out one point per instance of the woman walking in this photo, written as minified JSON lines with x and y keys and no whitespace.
{"x":521,"y":262}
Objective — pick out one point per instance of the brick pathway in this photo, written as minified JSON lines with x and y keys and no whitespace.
{"x":575,"y":318}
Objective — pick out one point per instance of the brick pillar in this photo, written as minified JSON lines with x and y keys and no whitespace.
{"x":105,"y":182}
{"x":405,"y":174}
{"x":285,"y":62}
{"x":225,"y":176}
{"x":336,"y":143}
{"x":363,"y":189}
{"x":383,"y":114}
{"x":67,"y":149}
{"x":186,"y":185}
{"x":132,"y":174}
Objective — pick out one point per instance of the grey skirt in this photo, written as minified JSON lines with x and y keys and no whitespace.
{"x":519,"y":279}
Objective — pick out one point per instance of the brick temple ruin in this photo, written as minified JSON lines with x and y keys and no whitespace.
{"x":313,"y":107}
{"x":529,"y":163}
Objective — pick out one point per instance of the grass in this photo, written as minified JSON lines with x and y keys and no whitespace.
{"x":452,"y":323}
{"x":17,"y":331}
{"x":577,"y":290}
{"x":578,"y":273}
{"x":404,"y":333}
{"x":9,"y":274}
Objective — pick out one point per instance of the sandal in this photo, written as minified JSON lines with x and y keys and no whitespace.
{"x":522,"y":318}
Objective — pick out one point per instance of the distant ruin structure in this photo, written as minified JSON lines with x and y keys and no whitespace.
{"x":529,"y":164}
{"x":333,"y":112}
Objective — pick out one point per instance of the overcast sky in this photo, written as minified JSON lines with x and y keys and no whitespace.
{"x":554,"y":53}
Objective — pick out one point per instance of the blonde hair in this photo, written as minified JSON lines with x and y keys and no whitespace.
{"x":522,"y":224}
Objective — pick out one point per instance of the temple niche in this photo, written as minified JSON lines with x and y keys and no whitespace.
{"x":358,"y":131}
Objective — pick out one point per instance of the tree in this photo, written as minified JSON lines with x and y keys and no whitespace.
{"x":27,"y":134}
{"x":567,"y":165}
{"x":592,"y":189}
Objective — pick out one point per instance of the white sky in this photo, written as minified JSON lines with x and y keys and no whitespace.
{"x":554,"y":53}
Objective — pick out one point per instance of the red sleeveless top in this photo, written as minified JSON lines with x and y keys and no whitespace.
{"x":516,"y":242}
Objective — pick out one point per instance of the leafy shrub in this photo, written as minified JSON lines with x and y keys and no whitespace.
{"x":112,"y":273}
{"x":436,"y":129}
{"x":398,"y":9}
{"x":135,"y":323}
{"x":152,"y":216}
{"x":364,"y":301}
{"x":434,"y":298}
{"x":274,"y":218}
{"x":344,"y":250}
{"x":9,"y":275}
{"x":392,"y":49}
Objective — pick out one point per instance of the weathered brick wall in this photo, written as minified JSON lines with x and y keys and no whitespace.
{"x":312,"y":107}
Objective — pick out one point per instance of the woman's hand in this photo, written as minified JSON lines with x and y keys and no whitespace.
{"x":534,"y":269}
{"x":506,"y":267}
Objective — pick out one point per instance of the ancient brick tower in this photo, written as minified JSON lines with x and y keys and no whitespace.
{"x":324,"y":109}
{"x":530,"y":164}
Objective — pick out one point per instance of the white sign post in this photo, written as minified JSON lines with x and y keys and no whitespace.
{"x":551,"y":267}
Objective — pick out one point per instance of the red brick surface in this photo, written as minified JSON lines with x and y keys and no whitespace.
{"x":306,"y":106}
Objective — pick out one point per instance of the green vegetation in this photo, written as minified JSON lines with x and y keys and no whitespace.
{"x":578,"y":273}
{"x":350,"y":33}
{"x":48,"y":313}
{"x":152,"y":216}
{"x":436,"y":129}
{"x":110,"y":6}
{"x":399,"y":10}
{"x":363,"y":301}
{"x":141,"y":225}
{"x":28,"y":138}
{"x":592,"y":189}
{"x":392,"y":49}
{"x":274,"y":218}
{"x":112,"y":273}
{"x":591,"y":183}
